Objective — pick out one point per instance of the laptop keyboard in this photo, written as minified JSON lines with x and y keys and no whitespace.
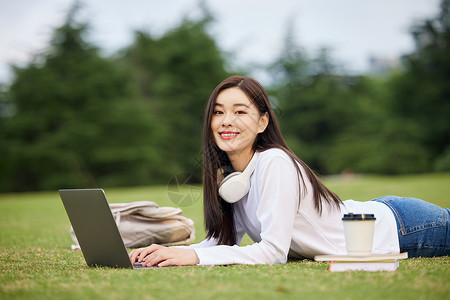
{"x":141,"y":266}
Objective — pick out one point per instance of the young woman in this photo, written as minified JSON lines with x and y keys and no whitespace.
{"x":278,"y":201}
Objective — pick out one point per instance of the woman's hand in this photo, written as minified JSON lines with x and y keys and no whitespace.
{"x":156,"y":255}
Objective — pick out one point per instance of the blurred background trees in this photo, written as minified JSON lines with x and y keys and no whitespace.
{"x":78,"y":120}
{"x":394,"y":124}
{"x":74,"y":118}
{"x":421,"y":94}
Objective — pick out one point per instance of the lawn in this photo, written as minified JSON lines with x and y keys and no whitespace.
{"x":36,"y":261}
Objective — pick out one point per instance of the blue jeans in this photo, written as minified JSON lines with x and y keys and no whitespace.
{"x":423,"y":228}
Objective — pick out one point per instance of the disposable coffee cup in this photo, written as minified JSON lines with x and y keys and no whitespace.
{"x":358,"y":230}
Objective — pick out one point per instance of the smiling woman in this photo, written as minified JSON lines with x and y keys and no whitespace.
{"x":284,"y":208}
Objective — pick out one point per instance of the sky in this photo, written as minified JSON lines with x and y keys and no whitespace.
{"x":250,"y":31}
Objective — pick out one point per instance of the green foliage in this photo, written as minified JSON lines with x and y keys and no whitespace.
{"x":392,"y":148}
{"x":78,"y":121}
{"x":421,"y":93}
{"x":442,"y":163}
{"x":396,"y":125}
{"x":318,"y":105}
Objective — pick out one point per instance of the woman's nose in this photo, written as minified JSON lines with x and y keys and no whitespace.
{"x":227,"y":120}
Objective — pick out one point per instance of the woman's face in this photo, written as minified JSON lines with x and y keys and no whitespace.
{"x":236,"y":122}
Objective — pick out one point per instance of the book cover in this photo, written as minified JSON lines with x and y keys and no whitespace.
{"x":372,"y":263}
{"x":341,"y":266}
{"x":367,"y":258}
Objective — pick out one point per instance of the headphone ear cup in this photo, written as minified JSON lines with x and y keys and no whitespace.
{"x":234,"y":187}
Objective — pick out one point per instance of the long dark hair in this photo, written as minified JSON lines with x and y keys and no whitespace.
{"x":219,"y":219}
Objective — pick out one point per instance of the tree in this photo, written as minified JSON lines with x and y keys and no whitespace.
{"x":77,"y":122}
{"x":421,"y":93}
{"x":317,"y":104}
{"x":397,"y":124}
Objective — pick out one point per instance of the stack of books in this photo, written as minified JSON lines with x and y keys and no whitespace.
{"x":385,"y":262}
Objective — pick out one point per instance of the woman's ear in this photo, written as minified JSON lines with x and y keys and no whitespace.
{"x":263,"y":122}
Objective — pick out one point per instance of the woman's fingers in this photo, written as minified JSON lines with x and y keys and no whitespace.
{"x":134,"y":254}
{"x":156,"y":255}
{"x":164,"y":257}
{"x":167,"y":263}
{"x":138,"y":255}
{"x":154,"y":258}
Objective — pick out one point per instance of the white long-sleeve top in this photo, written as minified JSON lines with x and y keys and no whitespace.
{"x":271,"y":216}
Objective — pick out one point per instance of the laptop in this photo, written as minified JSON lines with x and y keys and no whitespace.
{"x":95,"y":228}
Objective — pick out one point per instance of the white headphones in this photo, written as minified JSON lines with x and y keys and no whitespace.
{"x":236,"y":185}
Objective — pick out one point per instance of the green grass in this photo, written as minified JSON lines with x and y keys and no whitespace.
{"x":36,"y":261}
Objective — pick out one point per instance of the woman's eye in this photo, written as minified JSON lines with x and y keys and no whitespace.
{"x":218,"y":112}
{"x":241,"y":112}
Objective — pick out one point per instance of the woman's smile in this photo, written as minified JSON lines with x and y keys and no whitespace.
{"x":228,"y":135}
